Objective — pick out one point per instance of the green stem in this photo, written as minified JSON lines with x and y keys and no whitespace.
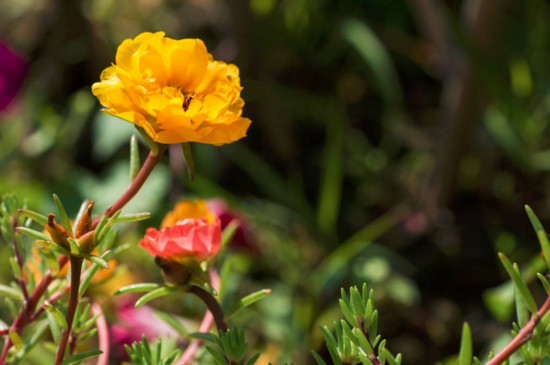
{"x":76,"y":267}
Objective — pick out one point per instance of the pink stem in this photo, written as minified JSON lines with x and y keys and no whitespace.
{"x":205,"y":326}
{"x":522,"y":337}
{"x":102,"y":333}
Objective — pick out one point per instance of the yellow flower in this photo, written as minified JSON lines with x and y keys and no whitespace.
{"x":174,"y":90}
{"x":187,"y":209}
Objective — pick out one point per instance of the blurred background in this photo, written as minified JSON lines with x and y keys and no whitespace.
{"x":394,"y":142}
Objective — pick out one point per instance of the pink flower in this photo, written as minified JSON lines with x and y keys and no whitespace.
{"x":188,"y":238}
{"x":12,"y":73}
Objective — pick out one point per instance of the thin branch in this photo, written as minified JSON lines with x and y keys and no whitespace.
{"x":522,"y":337}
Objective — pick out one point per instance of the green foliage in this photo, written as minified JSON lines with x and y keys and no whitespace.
{"x":229,"y":347}
{"x":141,"y":353}
{"x":356,"y":341}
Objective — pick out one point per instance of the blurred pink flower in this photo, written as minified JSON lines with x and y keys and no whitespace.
{"x":244,"y":237}
{"x":133,"y":323}
{"x":12,"y":72}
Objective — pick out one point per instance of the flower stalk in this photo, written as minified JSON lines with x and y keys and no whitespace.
{"x":76,"y":267}
{"x":212,"y":305}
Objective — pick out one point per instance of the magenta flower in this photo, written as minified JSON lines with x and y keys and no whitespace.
{"x":12,"y":72}
{"x":244,"y":237}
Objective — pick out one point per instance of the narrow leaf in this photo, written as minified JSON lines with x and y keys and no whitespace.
{"x":172,"y":322}
{"x":519,"y":283}
{"x":466,"y":352}
{"x":541,"y":234}
{"x":157,"y":293}
{"x":57,"y":315}
{"x":81,"y":356}
{"x":98,"y":260}
{"x":135,"y":217}
{"x":189,"y":161}
{"x":544,"y":282}
{"x":137,"y":288}
{"x":253,"y":359}
{"x":318,"y":358}
{"x":10,"y":292}
{"x":16,"y":339}
{"x":37,"y":217}
{"x":248,"y":300}
{"x":134,"y":157}
{"x":33,"y":233}
{"x":65,"y":223}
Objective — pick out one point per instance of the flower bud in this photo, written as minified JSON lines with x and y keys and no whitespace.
{"x":58,"y":234}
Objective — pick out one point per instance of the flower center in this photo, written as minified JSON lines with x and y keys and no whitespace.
{"x":187,"y":97}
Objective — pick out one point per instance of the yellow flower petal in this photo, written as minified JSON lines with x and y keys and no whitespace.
{"x":174,"y":90}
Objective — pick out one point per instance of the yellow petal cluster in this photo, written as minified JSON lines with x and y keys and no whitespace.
{"x":186,"y":209}
{"x":174,"y":90}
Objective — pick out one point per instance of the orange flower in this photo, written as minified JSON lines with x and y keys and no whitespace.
{"x":174,"y":90}
{"x":190,"y":231}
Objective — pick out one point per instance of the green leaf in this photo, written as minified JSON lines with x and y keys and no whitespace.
{"x":216,"y":355}
{"x":98,"y":260}
{"x":157,"y":293}
{"x":519,"y":283}
{"x":16,"y":339}
{"x":15,"y":268}
{"x":37,"y":217}
{"x":544,"y":282}
{"x":318,"y":358}
{"x":541,"y":234}
{"x":228,"y":233}
{"x":8,"y":291}
{"x":135,"y":217}
{"x":33,"y":233}
{"x":248,"y":300}
{"x":63,"y":215}
{"x":253,"y":359}
{"x":57,"y":315}
{"x":134,"y":157}
{"x":189,"y":161}
{"x":466,"y":352}
{"x":137,"y":288}
{"x":206,"y":337}
{"x":81,"y":356}
{"x":173,"y":322}
{"x":87,"y":279}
